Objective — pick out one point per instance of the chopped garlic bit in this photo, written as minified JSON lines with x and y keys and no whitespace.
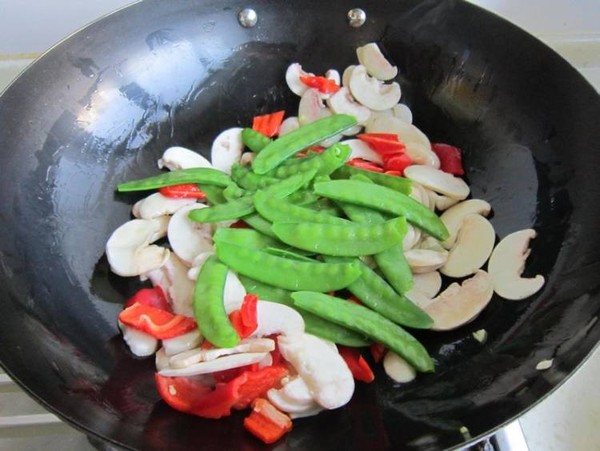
{"x":480,"y":335}
{"x":544,"y":365}
{"x":465,"y":432}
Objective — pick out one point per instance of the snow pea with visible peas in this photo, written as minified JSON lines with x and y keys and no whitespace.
{"x":201,"y":176}
{"x":247,"y":179}
{"x":400,"y":184}
{"x":324,"y":163}
{"x":367,"y":322}
{"x":255,"y":141}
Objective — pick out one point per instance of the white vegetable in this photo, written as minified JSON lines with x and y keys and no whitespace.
{"x":140,"y":343}
{"x":175,"y":158}
{"x":403,"y":113}
{"x":453,"y":217}
{"x":220,"y":364}
{"x":233,"y":293}
{"x":193,"y":356}
{"x":360,"y":149}
{"x":333,"y":75}
{"x":377,"y":65}
{"x":439,"y":181}
{"x":544,"y":364}
{"x":276,"y":318}
{"x":189,"y":238}
{"x":397,"y":368}
{"x":412,"y":237}
{"x":288,"y":125}
{"x":182,"y":343}
{"x":197,"y":264}
{"x":227,"y":149}
{"x":440,"y":201}
{"x":293,"y":397}
{"x":346,"y":75}
{"x":172,"y":279}
{"x":425,"y":260}
{"x":292,"y":78}
{"x":371,"y":92}
{"x":156,"y":205}
{"x":311,"y":107}
{"x":428,"y":283}
{"x":342,"y":103}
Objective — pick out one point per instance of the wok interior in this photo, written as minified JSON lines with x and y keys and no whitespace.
{"x":101,"y":108}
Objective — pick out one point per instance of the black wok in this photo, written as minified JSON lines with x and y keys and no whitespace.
{"x":101,"y":107}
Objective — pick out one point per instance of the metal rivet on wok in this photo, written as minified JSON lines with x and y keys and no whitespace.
{"x":247,"y":18}
{"x":357,"y":17}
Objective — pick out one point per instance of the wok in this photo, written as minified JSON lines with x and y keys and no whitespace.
{"x":100,"y":108}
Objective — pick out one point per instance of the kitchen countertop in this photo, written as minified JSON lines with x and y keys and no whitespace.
{"x":567,"y":420}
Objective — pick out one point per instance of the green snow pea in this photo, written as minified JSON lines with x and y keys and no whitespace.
{"x":367,"y":322}
{"x":313,"y":324}
{"x":400,"y":184}
{"x":286,"y":273}
{"x":253,"y":140}
{"x":349,"y":240}
{"x":234,"y":209}
{"x":209,"y":309}
{"x":257,"y":222}
{"x":202,"y":176}
{"x":324,"y":163}
{"x":247,"y":179}
{"x":286,"y":253}
{"x":245,"y":237}
{"x":214,"y":194}
{"x":303,"y":197}
{"x":385,"y":199}
{"x":375,"y":293}
{"x":307,"y":135}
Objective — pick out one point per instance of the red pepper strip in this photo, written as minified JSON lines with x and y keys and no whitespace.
{"x":258,"y":382}
{"x":239,"y":224}
{"x":183,"y":191}
{"x":358,"y":366}
{"x":268,"y":124}
{"x":322,"y":84}
{"x":364,"y":164}
{"x":266,"y":422}
{"x":249,"y":311}
{"x":396,"y":173}
{"x":315,"y":149}
{"x":450,"y":158}
{"x":154,"y":297}
{"x":354,"y":299}
{"x":235,"y":318}
{"x":156,"y":322}
{"x":398,"y":163}
{"x":230,"y":374}
{"x":377,"y":351}
{"x":385,"y":144}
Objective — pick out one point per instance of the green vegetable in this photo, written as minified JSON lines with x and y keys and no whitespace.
{"x":253,"y":140}
{"x":234,"y":209}
{"x":367,"y":322}
{"x":214,"y":194}
{"x":400,"y":184}
{"x":247,"y":179}
{"x":202,"y":176}
{"x":324,"y":163}
{"x":307,"y":135}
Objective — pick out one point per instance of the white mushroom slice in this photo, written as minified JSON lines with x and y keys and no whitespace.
{"x":276,"y":318}
{"x":439,"y":181}
{"x":194,"y":356}
{"x":129,"y":251}
{"x":247,"y":158}
{"x":293,"y":397}
{"x":453,"y":217}
{"x":543,"y":365}
{"x":311,"y":107}
{"x":431,"y":243}
{"x":175,"y":158}
{"x":173,"y":280}
{"x":472,"y":248}
{"x":331,"y":141}
{"x":460,"y":304}
{"x":354,"y":130}
{"x":360,"y":149}
{"x":371,"y":92}
{"x":428,"y":283}
{"x":425,"y":260}
{"x":189,"y":238}
{"x":220,"y":364}
{"x":342,"y":103}
{"x":292,"y":78}
{"x":397,"y":368}
{"x":346,"y":75}
{"x":421,"y":195}
{"x":441,"y":202}
{"x":507,"y":263}
{"x":288,"y":125}
{"x":412,"y":237}
{"x":140,"y":343}
{"x":321,"y":367}
{"x":182,"y":343}
{"x":333,"y":75}
{"x":197,"y":264}
{"x":233,"y":293}
{"x":403,"y":113}
{"x":418,"y":298}
{"x":227,"y":149}
{"x":377,"y":65}
{"x":156,"y":205}
{"x":161,"y":360}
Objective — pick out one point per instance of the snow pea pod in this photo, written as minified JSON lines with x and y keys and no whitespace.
{"x":234,"y":209}
{"x":284,"y":272}
{"x":247,"y":179}
{"x":257,"y":222}
{"x":375,"y":293}
{"x":324,"y":163}
{"x":349,"y":240}
{"x":253,"y":140}
{"x":214,"y":194}
{"x":313,"y":324}
{"x":245,"y":237}
{"x":209,"y":308}
{"x":201,"y":176}
{"x":367,"y":322}
{"x":385,"y":199}
{"x":400,"y":184}
{"x":307,"y":135}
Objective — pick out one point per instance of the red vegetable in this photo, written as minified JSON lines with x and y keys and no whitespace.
{"x":266,"y":422}
{"x":258,"y":382}
{"x":450,"y":158}
{"x":397,"y":163}
{"x":357,"y":364}
{"x":385,"y":144}
{"x":268,"y":124}
{"x":244,"y":320}
{"x":364,"y":164}
{"x":154,"y":321}
{"x":183,"y":191}
{"x":154,"y":297}
{"x":322,"y":84}
{"x":239,"y":224}
{"x":377,"y":351}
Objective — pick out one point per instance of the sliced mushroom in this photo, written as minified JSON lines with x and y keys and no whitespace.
{"x":453,"y":217}
{"x":441,"y":202}
{"x":346,"y":75}
{"x":439,"y":181}
{"x":397,"y":368}
{"x":182,"y":343}
{"x":354,"y":130}
{"x":223,"y":363}
{"x":421,"y":195}
{"x":173,"y":280}
{"x":175,"y":158}
{"x":403,"y":113}
{"x":227,"y":149}
{"x":321,"y":367}
{"x":360,"y":149}
{"x":311,"y":107}
{"x":197,"y":264}
{"x":333,"y":75}
{"x":371,"y":92}
{"x":342,"y":103}
{"x":377,"y":65}
{"x":188,"y":238}
{"x":197,"y":355}
{"x":507,"y":263}
{"x":418,"y":298}
{"x":460,"y":304}
{"x":276,"y":318}
{"x":375,"y":116}
{"x":292,"y":78}
{"x":472,"y":248}
{"x":233,"y":293}
{"x":293,"y":397}
{"x":247,"y":158}
{"x":428,"y":283}
{"x":156,"y":205}
{"x":129,"y":251}
{"x":425,"y":260}
{"x":140,"y":343}
{"x":288,"y":125}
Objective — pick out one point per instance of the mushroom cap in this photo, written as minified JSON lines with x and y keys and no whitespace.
{"x":274,"y":318}
{"x":438,"y":181}
{"x":311,"y":107}
{"x":397,"y":368}
{"x":342,"y":102}
{"x":292,"y":78}
{"x":360,"y":149}
{"x":189,"y":238}
{"x":453,"y":217}
{"x":425,"y":260}
{"x":347,"y":74}
{"x":176,"y":157}
{"x":428,"y":283}
{"x":377,"y":65}
{"x":371,"y":92}
{"x":156,"y":205}
{"x":288,"y":125}
{"x":227,"y":149}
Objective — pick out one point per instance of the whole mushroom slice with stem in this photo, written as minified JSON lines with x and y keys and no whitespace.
{"x":274,"y":318}
{"x":342,"y":102}
{"x":460,"y":304}
{"x":156,"y":205}
{"x":292,"y":78}
{"x":473,"y":246}
{"x":189,"y":238}
{"x":294,"y":397}
{"x":507,"y":263}
{"x":129,"y":250}
{"x":227,"y":149}
{"x":438,"y":181}
{"x":371,"y":92}
{"x":175,"y":158}
{"x":453,"y":217}
{"x":371,"y":57}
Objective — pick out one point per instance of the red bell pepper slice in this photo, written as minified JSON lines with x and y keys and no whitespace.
{"x":156,"y":322}
{"x":377,"y":351}
{"x":358,"y":366}
{"x":322,"y":84}
{"x":154,"y":297}
{"x":258,"y":382}
{"x":364,"y":164}
{"x":385,"y":144}
{"x":398,"y":163}
{"x":266,"y":422}
{"x":450,"y":158}
{"x":245,"y":320}
{"x":268,"y":124}
{"x":239,"y":224}
{"x":182,"y":191}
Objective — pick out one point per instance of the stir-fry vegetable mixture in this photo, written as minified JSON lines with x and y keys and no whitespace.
{"x":304,"y":245}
